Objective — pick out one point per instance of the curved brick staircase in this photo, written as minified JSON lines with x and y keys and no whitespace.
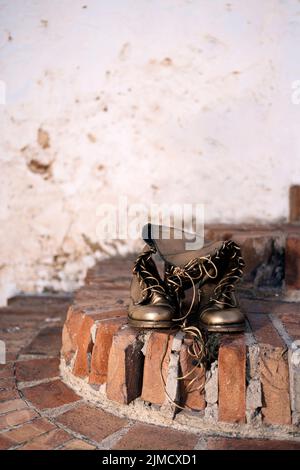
{"x":252,"y":389}
{"x":251,"y":398}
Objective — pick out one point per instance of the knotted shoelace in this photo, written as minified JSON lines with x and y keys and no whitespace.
{"x":178,"y":279}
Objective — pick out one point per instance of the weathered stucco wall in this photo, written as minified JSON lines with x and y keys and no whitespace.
{"x":161,"y":101}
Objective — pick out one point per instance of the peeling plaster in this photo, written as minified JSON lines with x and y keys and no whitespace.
{"x":181,"y":102}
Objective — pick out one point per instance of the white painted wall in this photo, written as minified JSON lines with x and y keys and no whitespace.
{"x":161,"y":101}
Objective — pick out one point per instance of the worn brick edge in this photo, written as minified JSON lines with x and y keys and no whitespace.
{"x":193,"y":422}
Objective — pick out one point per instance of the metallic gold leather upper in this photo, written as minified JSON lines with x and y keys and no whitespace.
{"x":209,"y":273}
{"x":149,"y":300}
{"x":227,"y":316}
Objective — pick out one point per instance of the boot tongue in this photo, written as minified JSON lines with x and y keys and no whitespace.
{"x":168,"y":240}
{"x":171,"y":244}
{"x":181,"y":259}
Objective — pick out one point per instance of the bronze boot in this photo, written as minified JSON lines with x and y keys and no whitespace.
{"x":150,"y":304}
{"x":210,"y":272}
{"x":220,"y":311}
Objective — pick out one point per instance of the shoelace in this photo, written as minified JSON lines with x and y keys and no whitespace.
{"x":193,"y":271}
{"x":149,"y":282}
{"x":224,"y":291}
{"x":152,"y":283}
{"x":177,"y":279}
{"x":202,"y":351}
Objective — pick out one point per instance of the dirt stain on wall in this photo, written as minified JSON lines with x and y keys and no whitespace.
{"x":43,"y":138}
{"x":38,"y":167}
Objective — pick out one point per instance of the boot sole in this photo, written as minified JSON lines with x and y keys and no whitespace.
{"x":234,"y":328}
{"x":149,"y":324}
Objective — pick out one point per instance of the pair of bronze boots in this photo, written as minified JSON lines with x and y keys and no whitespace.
{"x":197,"y":287}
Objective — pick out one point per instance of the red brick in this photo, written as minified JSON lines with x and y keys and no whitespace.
{"x":216,"y":232}
{"x":292,"y":262}
{"x":77,"y":444}
{"x":35,"y":312}
{"x":70,"y":331}
{"x":100,"y":312}
{"x":101,"y":305}
{"x":274,"y":376}
{"x":268,"y":306}
{"x":111,"y":284}
{"x":9,"y":394}
{"x":77,"y":336}
{"x":295,"y":204}
{"x":5,"y":443}
{"x":191,"y":396}
{"x":101,"y":349}
{"x":27,"y":431}
{"x":84,"y":347}
{"x":84,"y":344}
{"x":156,"y":366}
{"x":50,"y":395}
{"x":256,"y":242}
{"x":96,"y":297}
{"x":125,"y":367}
{"x":7,"y":384}
{"x":37,"y":369}
{"x":110,"y":271}
{"x":232,"y":379}
{"x":91,"y":422}
{"x":12,"y":405}
{"x":12,"y":355}
{"x":264,"y":330}
{"x":47,"y":342}
{"x":291,"y":322}
{"x":273,"y":369}
{"x":40,"y":300}
{"x":17,"y":417}
{"x":147,"y":437}
{"x":106,"y":313}
{"x":16,"y":342}
{"x":250,"y":444}
{"x":12,"y":333}
{"x":290,"y":228}
{"x":256,"y":249}
{"x":47,"y":441}
{"x":6,"y":370}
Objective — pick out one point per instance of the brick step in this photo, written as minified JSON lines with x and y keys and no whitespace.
{"x":271,"y":252}
{"x":255,"y":378}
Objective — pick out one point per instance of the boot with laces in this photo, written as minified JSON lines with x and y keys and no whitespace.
{"x":151,"y":305}
{"x":209,"y":274}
